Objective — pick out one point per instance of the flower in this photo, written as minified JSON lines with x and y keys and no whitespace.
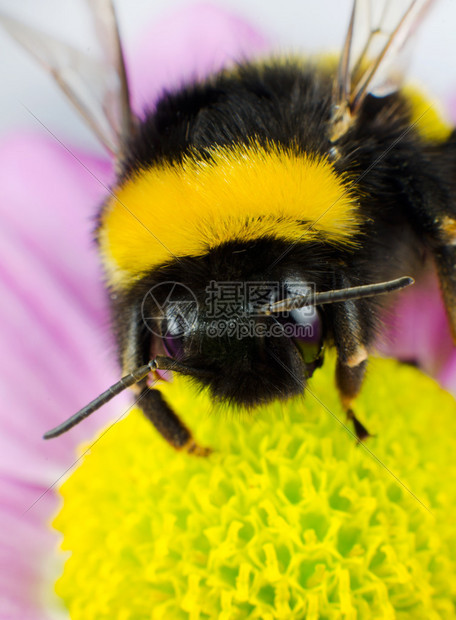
{"x":288,"y":518}
{"x":55,"y":313}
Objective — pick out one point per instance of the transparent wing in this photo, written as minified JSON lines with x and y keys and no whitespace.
{"x":116,"y":98}
{"x":97,"y":87}
{"x":375,"y":53}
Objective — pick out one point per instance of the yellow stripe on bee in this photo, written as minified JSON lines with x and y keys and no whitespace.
{"x":427,"y":116}
{"x":240,"y":193}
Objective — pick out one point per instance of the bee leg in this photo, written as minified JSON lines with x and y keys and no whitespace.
{"x":349,"y":381}
{"x":157,"y":410}
{"x":349,"y":339}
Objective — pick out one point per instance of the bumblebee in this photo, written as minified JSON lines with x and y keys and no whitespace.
{"x":262,"y":215}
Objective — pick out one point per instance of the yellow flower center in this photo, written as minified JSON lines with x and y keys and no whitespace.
{"x":289,"y":518}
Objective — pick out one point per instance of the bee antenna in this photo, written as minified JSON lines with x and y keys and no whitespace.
{"x":159,"y":363}
{"x":124,"y":383}
{"x":338,"y":295}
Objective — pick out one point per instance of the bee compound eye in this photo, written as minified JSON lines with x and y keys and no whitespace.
{"x":174,"y":347}
{"x":304,"y":326}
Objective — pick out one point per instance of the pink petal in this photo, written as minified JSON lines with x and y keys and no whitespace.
{"x":53,"y":307}
{"x":417,"y":330}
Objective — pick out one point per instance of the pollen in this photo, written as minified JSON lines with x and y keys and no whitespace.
{"x":288,"y":518}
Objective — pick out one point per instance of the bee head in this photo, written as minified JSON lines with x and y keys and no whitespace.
{"x":223,"y":336}
{"x":238,"y":320}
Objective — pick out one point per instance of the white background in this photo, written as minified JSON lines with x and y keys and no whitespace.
{"x":305,"y":25}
